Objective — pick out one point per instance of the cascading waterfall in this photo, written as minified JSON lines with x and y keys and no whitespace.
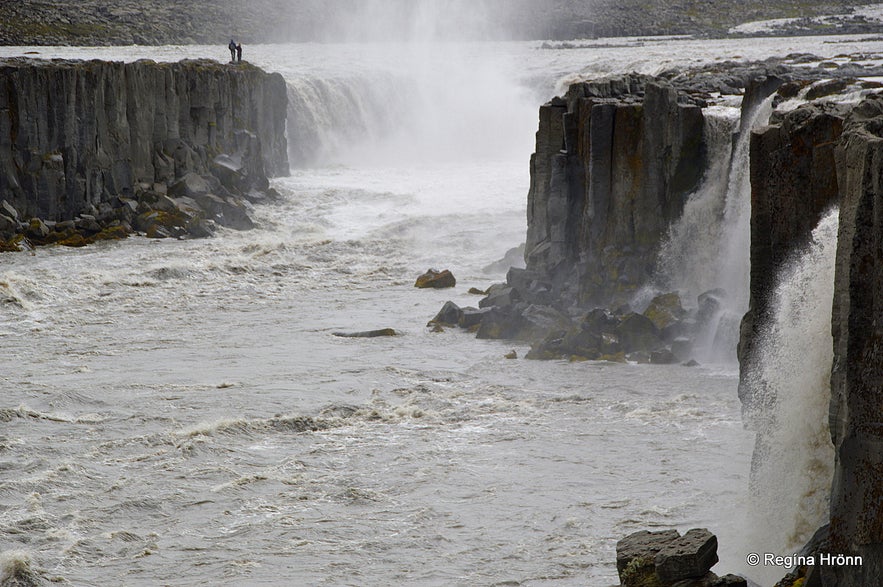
{"x":734,"y":266}
{"x":693,"y":243}
{"x":792,"y":467}
{"x":708,"y":248}
{"x":328,"y":118}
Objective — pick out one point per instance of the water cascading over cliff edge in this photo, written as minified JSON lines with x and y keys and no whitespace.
{"x":824,"y":154}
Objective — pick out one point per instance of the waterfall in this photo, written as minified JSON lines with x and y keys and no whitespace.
{"x":693,"y":243}
{"x":734,"y":265}
{"x":708,"y":248}
{"x":329,"y":119}
{"x":792,"y":467}
{"x":403,"y":104}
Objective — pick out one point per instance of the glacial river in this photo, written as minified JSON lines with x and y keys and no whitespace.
{"x":179,"y":412}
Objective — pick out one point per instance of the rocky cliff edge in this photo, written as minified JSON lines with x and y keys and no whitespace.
{"x":93,"y":149}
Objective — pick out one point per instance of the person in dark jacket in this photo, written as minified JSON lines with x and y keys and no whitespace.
{"x":232,"y":47}
{"x":239,"y":52}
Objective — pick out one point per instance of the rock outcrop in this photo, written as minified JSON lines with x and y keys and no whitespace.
{"x":793,"y":182}
{"x":614,"y":163}
{"x":856,"y":412}
{"x":814,"y":157}
{"x":168,"y":149}
{"x":667,"y":559}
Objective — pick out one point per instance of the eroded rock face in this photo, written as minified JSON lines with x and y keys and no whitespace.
{"x":91,"y":137}
{"x":812,"y":158}
{"x":663,"y":559}
{"x":615,"y":160}
{"x":794,"y":180}
{"x":856,"y":412}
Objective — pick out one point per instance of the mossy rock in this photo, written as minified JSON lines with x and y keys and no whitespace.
{"x":112,"y":233}
{"x":665,"y":310}
{"x":74,"y":240}
{"x":640,"y":572}
{"x":436,"y":279}
{"x":15,"y":244}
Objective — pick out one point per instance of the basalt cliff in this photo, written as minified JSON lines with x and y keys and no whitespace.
{"x":617,"y":163}
{"x":92,"y":150}
{"x":818,"y":156}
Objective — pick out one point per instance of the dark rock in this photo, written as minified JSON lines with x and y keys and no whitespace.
{"x":663,"y":357}
{"x":511,"y":355}
{"x":730,"y":581}
{"x":640,"y":357}
{"x":436,"y":279}
{"x":99,"y":174}
{"x":856,"y":407}
{"x":9,"y":210}
{"x":449,"y":315}
{"x":502,"y":297}
{"x":827,"y":88}
{"x":522,"y":279}
{"x":637,"y":332}
{"x":710,"y":305}
{"x":691,"y":363}
{"x":500,"y":323}
{"x":8,"y":226}
{"x":689,"y":557}
{"x":367,"y":333}
{"x":665,"y":310}
{"x":636,"y":556}
{"x":477,"y":292}
{"x":471,"y":317}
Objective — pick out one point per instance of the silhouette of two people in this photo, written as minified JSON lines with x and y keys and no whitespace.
{"x":235,"y":51}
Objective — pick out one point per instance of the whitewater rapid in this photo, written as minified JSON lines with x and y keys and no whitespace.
{"x":178,"y":412}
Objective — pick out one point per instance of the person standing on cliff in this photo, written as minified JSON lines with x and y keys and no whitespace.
{"x":239,"y":52}
{"x":232,"y":47}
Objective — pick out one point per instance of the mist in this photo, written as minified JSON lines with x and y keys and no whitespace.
{"x":416,"y":20}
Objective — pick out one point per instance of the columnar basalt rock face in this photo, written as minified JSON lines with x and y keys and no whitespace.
{"x":75,"y":135}
{"x":814,"y":157}
{"x":856,"y":413}
{"x":614,"y":163}
{"x":794,"y":180}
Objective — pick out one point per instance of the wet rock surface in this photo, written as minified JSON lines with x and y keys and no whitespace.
{"x":810,"y":159}
{"x":435,"y":279}
{"x":666,"y":559}
{"x":174,"y":150}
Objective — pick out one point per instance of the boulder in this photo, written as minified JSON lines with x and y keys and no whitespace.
{"x":501,"y":297}
{"x":690,"y":556}
{"x":663,"y":559}
{"x":636,"y":555}
{"x":367,"y":333}
{"x":500,"y":323}
{"x":710,"y":304}
{"x":9,"y":210}
{"x":449,"y":315}
{"x":665,"y":310}
{"x":436,"y":279}
{"x":637,"y":332}
{"x":471,"y":317}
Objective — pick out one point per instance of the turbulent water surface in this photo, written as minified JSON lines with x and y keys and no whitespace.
{"x":179,"y":412}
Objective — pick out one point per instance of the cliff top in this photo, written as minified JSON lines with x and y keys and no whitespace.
{"x":154,"y":22}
